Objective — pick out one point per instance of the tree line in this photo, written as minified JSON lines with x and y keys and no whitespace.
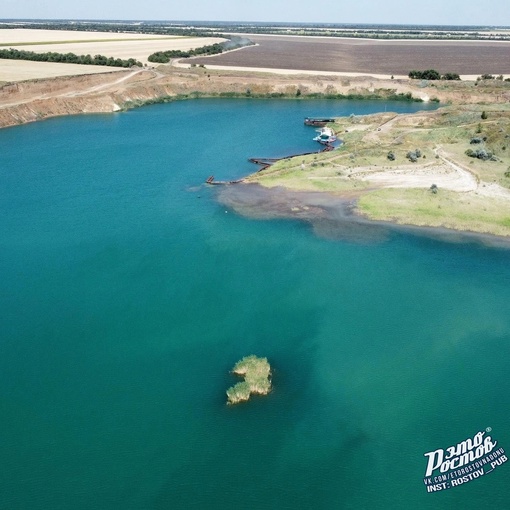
{"x":491,"y":77}
{"x":117,"y":28}
{"x":432,"y":74}
{"x":68,"y":58}
{"x":163,"y":57}
{"x":213,"y":29}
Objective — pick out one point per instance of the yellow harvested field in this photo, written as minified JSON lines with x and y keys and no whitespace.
{"x":19,"y":70}
{"x":139,"y":50}
{"x":34,"y":36}
{"x":117,"y":45}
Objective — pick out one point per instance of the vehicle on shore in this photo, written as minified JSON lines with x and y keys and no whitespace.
{"x":326,"y":136}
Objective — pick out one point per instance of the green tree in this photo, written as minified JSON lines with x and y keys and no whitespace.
{"x":450,"y":76}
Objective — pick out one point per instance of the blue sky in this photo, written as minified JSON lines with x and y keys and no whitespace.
{"x":442,"y":12}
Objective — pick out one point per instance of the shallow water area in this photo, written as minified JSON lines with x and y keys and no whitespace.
{"x":334,"y":216}
{"x":128,"y":293}
{"x":330,"y":216}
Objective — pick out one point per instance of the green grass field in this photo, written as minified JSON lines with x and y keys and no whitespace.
{"x":466,"y":212}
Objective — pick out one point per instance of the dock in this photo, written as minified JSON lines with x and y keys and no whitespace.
{"x":266,"y":163}
{"x":212,"y":181}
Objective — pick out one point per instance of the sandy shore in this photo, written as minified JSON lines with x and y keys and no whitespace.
{"x":444,"y":173}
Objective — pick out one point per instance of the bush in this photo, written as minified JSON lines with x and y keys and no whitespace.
{"x":433,"y":189}
{"x":476,"y":139}
{"x":484,"y":115}
{"x":411,"y":156}
{"x":432,"y":74}
{"x":482,"y":154}
{"x":450,"y":76}
{"x":391,"y":156}
{"x":429,"y":74}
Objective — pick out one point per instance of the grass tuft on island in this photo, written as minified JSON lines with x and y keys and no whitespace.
{"x":257,"y":379}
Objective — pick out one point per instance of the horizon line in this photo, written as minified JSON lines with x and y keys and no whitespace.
{"x":301,"y":23}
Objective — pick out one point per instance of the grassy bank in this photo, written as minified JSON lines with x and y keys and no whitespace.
{"x":466,"y":212}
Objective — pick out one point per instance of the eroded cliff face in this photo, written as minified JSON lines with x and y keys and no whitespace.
{"x":39,"y":99}
{"x":113,"y":91}
{"x":109,"y":92}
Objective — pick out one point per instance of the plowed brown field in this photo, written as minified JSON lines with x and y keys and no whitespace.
{"x":368,"y":56}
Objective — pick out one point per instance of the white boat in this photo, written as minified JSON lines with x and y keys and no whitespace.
{"x":326,"y":136}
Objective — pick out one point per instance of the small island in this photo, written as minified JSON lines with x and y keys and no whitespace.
{"x":257,"y":379}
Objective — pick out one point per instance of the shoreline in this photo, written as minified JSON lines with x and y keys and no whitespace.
{"x":364,"y":165}
{"x":336,"y":217}
{"x":116,"y":90}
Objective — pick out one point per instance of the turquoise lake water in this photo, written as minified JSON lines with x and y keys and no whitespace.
{"x":128,"y":293}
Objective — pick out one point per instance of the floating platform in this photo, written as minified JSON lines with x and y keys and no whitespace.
{"x":317,"y":122}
